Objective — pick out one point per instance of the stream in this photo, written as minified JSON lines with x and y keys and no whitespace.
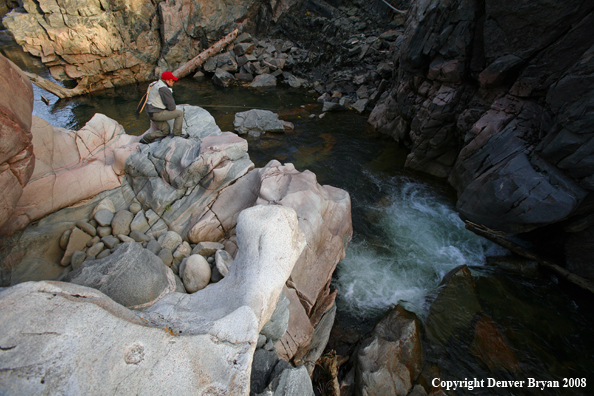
{"x":407,"y":236}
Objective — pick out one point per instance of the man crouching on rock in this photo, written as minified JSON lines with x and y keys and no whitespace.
{"x":160,"y":107}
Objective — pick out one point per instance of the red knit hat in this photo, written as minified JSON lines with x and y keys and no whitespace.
{"x":168,"y":76}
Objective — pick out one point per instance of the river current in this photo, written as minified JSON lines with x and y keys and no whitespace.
{"x":407,"y":234}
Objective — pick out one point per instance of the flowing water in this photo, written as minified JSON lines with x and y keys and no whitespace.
{"x":407,"y":234}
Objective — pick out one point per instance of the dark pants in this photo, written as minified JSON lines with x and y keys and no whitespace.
{"x":160,"y":119}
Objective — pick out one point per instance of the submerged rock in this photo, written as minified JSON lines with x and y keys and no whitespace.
{"x":391,"y":359}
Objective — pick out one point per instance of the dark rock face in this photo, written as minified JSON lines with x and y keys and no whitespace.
{"x":498,"y":98}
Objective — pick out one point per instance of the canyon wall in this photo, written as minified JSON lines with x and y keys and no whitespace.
{"x":114,"y":42}
{"x":16,"y":147}
{"x":498,"y":98}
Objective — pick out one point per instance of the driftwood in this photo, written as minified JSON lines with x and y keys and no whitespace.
{"x":59,"y":90}
{"x":501,"y":240}
{"x":193,"y":63}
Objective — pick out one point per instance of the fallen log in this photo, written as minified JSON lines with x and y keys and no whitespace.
{"x":59,"y":90}
{"x":193,"y":63}
{"x":501,"y":240}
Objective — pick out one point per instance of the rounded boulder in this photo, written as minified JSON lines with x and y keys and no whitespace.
{"x":196,"y":274}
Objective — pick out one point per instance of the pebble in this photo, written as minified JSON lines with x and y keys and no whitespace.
{"x":103,"y":231}
{"x":103,"y":217}
{"x":153,"y":246}
{"x":207,"y":249}
{"x":93,"y":241}
{"x":125,"y":238}
{"x":121,"y":222}
{"x":135,"y":207}
{"x":86,"y":227}
{"x":103,"y":254}
{"x":196,"y":274}
{"x":170,"y":240}
{"x":139,"y":236}
{"x":110,"y":241}
{"x":77,"y":258}
{"x":223,"y":262}
{"x":95,"y":249}
{"x":64,"y":239}
{"x":166,"y":256}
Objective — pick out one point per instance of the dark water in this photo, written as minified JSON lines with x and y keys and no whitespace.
{"x":407,"y":234}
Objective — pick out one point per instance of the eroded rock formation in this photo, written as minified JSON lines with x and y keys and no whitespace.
{"x":204,"y":341}
{"x":17,"y":160}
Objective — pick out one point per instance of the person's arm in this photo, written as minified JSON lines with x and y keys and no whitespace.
{"x":167,"y":98}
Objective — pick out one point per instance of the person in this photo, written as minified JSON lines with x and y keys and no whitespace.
{"x":160,"y":107}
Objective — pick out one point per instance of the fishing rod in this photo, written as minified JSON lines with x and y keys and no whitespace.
{"x":237,"y":107}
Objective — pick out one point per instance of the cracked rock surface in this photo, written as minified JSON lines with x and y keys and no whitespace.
{"x":204,"y":341}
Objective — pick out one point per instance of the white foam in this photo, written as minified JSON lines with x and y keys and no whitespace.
{"x":422,"y":239}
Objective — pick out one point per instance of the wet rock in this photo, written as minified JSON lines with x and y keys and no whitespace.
{"x":360,"y":105}
{"x":391,"y":359}
{"x":447,"y":315}
{"x":332,"y":106}
{"x":263,"y":81}
{"x":490,"y":347}
{"x":223,"y":78}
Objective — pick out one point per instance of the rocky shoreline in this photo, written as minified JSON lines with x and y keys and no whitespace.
{"x":178,"y":205}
